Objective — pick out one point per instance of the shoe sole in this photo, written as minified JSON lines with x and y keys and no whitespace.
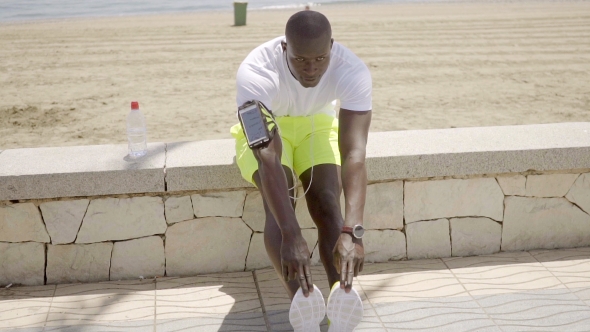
{"x":345,"y":311}
{"x":306,"y":313}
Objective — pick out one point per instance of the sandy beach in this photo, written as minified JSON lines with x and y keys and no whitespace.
{"x":70,"y":82}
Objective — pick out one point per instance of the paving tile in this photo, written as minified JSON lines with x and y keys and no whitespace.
{"x":549,"y":309}
{"x":371,"y":321}
{"x":104,"y":304}
{"x":209,"y":303}
{"x":25,"y":308}
{"x":134,"y":326}
{"x":506,"y":272}
{"x":459,"y":313}
{"x":214,"y":323}
{"x":570,"y":266}
{"x":409,"y":281}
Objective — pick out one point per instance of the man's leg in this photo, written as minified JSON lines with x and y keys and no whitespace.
{"x":323,"y":203}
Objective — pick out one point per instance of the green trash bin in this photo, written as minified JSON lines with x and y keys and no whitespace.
{"x":240,"y":13}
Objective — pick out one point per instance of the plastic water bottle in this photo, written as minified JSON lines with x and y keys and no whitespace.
{"x":136,"y":132}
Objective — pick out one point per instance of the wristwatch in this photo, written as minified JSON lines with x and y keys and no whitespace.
{"x":356,"y":231}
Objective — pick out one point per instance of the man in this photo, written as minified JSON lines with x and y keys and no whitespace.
{"x":297,"y":77}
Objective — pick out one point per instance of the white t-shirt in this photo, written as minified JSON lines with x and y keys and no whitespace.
{"x":265,"y":76}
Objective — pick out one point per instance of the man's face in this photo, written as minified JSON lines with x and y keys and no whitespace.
{"x":308,"y":60}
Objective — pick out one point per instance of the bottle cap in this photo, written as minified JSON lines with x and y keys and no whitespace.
{"x":134,"y":105}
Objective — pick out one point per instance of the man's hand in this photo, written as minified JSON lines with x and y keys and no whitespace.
{"x":349,"y":256}
{"x":295,"y":262}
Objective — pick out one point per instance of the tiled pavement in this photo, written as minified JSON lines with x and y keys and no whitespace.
{"x":541,"y":290}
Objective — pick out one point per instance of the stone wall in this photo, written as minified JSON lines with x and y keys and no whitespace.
{"x":98,"y":222}
{"x":114,"y":238}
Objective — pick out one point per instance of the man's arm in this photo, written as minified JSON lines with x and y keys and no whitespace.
{"x":352,"y":139}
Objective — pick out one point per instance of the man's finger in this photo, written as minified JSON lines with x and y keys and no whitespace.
{"x":362,"y":265}
{"x":307,"y":272}
{"x":302,"y":281}
{"x":343,"y":272}
{"x":357,"y":268}
{"x":349,"y":275}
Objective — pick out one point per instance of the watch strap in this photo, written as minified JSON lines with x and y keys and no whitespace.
{"x":347,"y":229}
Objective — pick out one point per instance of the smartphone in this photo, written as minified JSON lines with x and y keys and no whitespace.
{"x":254,"y":124}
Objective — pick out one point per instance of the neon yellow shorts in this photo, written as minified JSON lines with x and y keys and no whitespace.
{"x":307,"y":141}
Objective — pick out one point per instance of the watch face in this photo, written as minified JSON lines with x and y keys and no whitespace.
{"x":358,"y":231}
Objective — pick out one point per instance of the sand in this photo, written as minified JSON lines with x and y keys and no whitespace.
{"x":70,"y":82}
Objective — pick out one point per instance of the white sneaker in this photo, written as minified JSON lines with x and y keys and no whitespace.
{"x":345,"y":311}
{"x":307,"y":313}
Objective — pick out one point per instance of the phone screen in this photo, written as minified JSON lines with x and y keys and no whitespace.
{"x":253,"y":124}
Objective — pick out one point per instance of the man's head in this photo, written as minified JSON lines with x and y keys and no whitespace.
{"x":309,"y":41}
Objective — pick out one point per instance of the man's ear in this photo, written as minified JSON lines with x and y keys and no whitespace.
{"x":284,"y":45}
{"x":331,"y":42}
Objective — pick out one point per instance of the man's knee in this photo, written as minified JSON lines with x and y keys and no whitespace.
{"x":324,"y":203}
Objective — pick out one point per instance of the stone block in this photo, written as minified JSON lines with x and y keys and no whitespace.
{"x":76,"y":171}
{"x":384,"y":245}
{"x":206,"y":245}
{"x":384,"y":206}
{"x":178,"y":209}
{"x":140,"y":257}
{"x":72,"y":263}
{"x":543,"y":223}
{"x":63,"y":219}
{"x":580,"y":192}
{"x":428,"y":239}
{"x":549,"y":185}
{"x":475,"y":236}
{"x":513,"y":185}
{"x":258,"y":257}
{"x":21,"y":223}
{"x":109,"y":219}
{"x":219,"y":204}
{"x":22,"y":263}
{"x":426,"y":200}
{"x":254,"y":214}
